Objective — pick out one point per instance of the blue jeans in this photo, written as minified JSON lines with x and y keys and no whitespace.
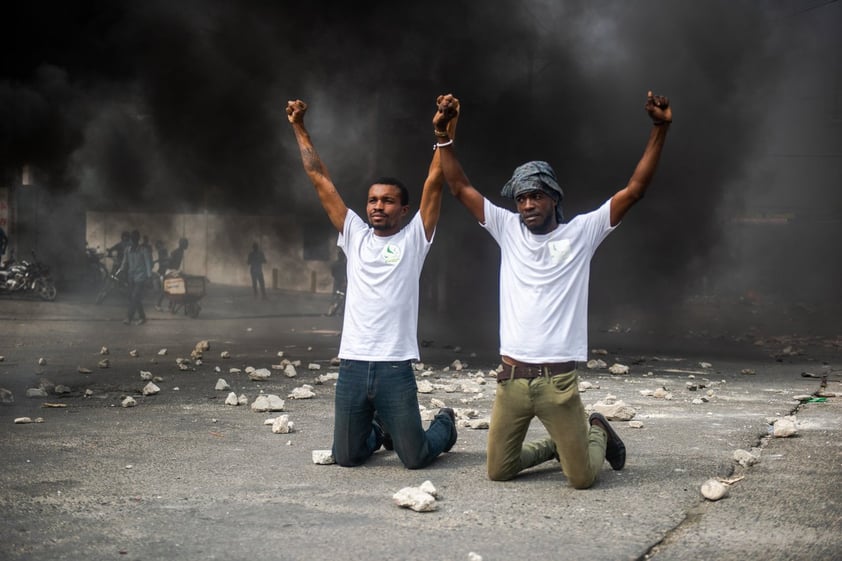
{"x":389,"y":389}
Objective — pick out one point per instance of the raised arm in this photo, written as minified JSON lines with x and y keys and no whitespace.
{"x":316,"y":170}
{"x":431,"y":195}
{"x":660,"y":112}
{"x":460,"y":186}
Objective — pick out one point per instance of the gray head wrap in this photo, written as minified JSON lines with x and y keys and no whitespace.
{"x":535,"y":176}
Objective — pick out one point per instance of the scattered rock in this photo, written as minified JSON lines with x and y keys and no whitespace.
{"x":282,"y":425}
{"x":713,"y":490}
{"x":304,"y":392}
{"x":636,"y":424}
{"x":104,"y":363}
{"x":23,"y":420}
{"x":134,"y":353}
{"x":314,"y":366}
{"x":224,"y":354}
{"x":222,"y":385}
{"x":145,"y":375}
{"x":785,"y":427}
{"x":745,"y":458}
{"x":103,"y":351}
{"x":231,"y":399}
{"x":614,"y":410}
{"x":260,"y":374}
{"x":425,"y":387}
{"x":323,"y":457}
{"x":36,"y":392}
{"x":128,"y":401}
{"x":416,"y":499}
{"x":61,"y":389}
{"x":6,"y":396}
{"x":81,"y":370}
{"x":269,"y":402}
{"x":618,"y":369}
{"x":289,"y":371}
{"x":150,"y":389}
{"x":162,"y":352}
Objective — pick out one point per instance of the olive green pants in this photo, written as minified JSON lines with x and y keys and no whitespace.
{"x":555,"y":401}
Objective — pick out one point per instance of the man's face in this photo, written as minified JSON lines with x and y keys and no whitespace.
{"x":384,"y":209}
{"x":537,"y":211}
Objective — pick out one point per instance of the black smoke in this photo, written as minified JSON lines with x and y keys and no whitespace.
{"x":179,"y":105}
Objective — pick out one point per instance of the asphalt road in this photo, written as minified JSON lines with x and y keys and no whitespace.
{"x":183,"y":476}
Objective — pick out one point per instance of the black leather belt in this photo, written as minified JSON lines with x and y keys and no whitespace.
{"x":523,"y":370}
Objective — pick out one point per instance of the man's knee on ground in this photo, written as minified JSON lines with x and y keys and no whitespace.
{"x":582,"y":482}
{"x":498,"y":473}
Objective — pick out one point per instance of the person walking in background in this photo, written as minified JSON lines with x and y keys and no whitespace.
{"x":255,"y":261}
{"x":544,"y":274}
{"x":137,"y":266}
{"x":163,"y":263}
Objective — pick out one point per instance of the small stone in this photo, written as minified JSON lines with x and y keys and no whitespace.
{"x":425,"y":387}
{"x":222,"y":385}
{"x":314,"y":366}
{"x":618,"y":369}
{"x":23,"y":420}
{"x":636,"y":424}
{"x":615,"y":410}
{"x":134,"y":353}
{"x":745,"y":458}
{"x":289,"y":371}
{"x":36,"y":392}
{"x":42,"y":361}
{"x":81,"y":370}
{"x":323,"y":457}
{"x":260,"y":374}
{"x":785,"y":427}
{"x":61,"y":389}
{"x":304,"y":392}
{"x":231,"y":399}
{"x":282,"y":425}
{"x":145,"y":375}
{"x":429,"y":488}
{"x":415,"y":499}
{"x":224,"y":354}
{"x":713,"y":490}
{"x":268,"y":402}
{"x":705,"y":365}
{"x":456,"y":365}
{"x":104,"y":363}
{"x":234,"y":370}
{"x":150,"y":389}
{"x":202,"y":346}
{"x":103,"y":351}
{"x":128,"y":401}
{"x":162,"y":352}
{"x":242,"y":399}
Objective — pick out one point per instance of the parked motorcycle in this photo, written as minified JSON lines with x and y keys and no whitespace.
{"x":27,"y":277}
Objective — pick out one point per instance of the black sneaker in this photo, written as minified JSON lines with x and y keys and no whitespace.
{"x":450,"y":413}
{"x":615,"y":450}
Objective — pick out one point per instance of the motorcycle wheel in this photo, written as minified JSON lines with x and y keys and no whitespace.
{"x":46,"y":289}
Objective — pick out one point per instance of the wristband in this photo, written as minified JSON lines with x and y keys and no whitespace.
{"x":442,"y":144}
{"x":440,"y":134}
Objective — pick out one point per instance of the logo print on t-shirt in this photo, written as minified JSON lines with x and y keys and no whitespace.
{"x":560,"y":251}
{"x":391,"y":254}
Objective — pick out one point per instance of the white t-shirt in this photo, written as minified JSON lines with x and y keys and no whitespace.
{"x":544,"y":284}
{"x":381,"y":307}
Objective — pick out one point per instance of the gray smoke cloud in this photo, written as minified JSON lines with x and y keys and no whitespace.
{"x":180,"y":105}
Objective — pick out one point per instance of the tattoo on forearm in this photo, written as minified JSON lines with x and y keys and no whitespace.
{"x":311,"y":160}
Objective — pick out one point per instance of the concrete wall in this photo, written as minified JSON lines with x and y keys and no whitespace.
{"x":219,"y":245}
